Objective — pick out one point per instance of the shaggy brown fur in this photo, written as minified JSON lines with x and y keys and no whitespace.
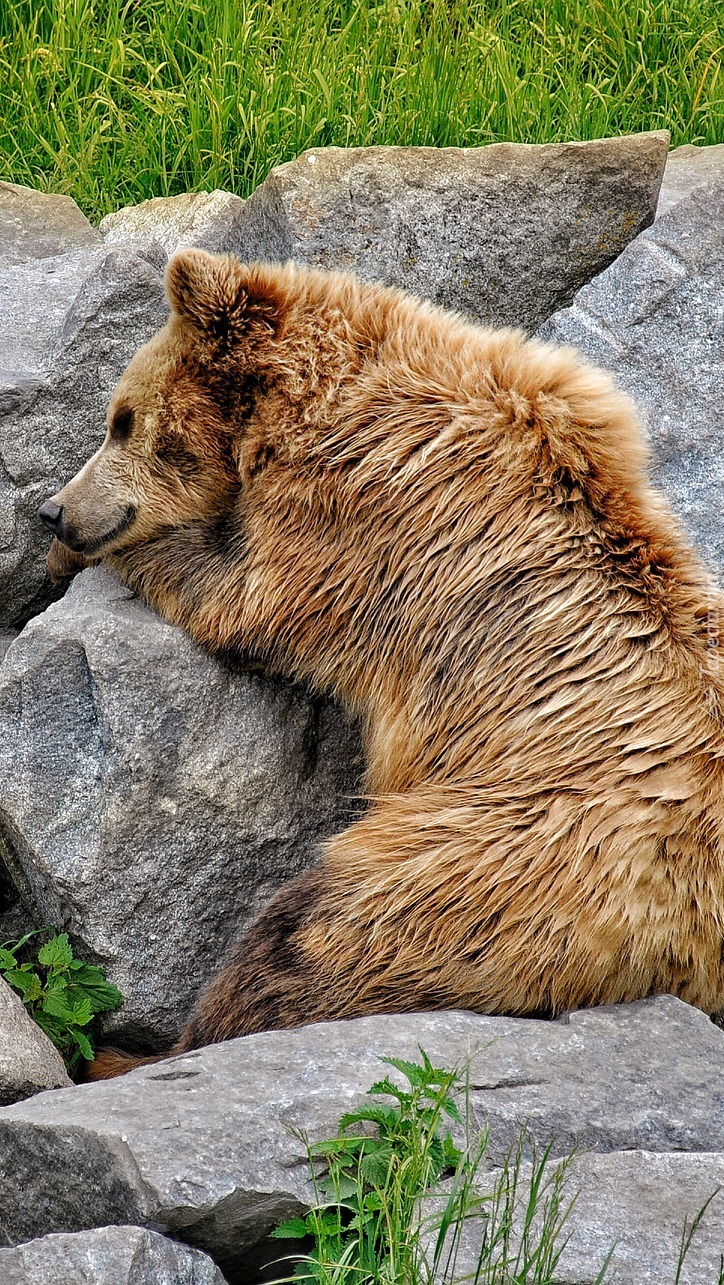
{"x":450,"y":528}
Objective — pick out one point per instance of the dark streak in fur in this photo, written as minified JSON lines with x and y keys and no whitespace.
{"x":94,"y":546}
{"x":267,"y":984}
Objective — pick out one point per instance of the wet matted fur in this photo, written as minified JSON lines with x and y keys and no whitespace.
{"x":451,"y":529}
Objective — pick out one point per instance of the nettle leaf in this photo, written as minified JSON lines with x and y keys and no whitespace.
{"x":57,"y":984}
{"x":341,"y":1186}
{"x":103,"y":996}
{"x":56,"y":953}
{"x":417,"y":1075}
{"x":25,"y":981}
{"x":451,"y":1154}
{"x":452,"y":1110}
{"x":55,"y":1030}
{"x":386,"y":1086}
{"x":382,"y":1115}
{"x":7,"y":959}
{"x":292,"y":1229}
{"x":375,"y":1167}
{"x":82,"y":1012}
{"x":329,"y":1148}
{"x":83,"y":1043}
{"x":56,"y":1004}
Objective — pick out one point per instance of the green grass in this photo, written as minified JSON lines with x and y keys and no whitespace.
{"x":393,"y":1197}
{"x":114,"y":102}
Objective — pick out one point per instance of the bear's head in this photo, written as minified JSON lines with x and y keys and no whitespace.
{"x":175,"y":422}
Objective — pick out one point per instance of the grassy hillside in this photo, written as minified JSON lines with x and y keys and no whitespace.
{"x":113,"y":102}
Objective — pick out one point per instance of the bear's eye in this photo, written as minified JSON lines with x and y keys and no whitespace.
{"x":121,"y":424}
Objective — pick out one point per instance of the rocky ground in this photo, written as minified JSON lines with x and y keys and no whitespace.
{"x":151,"y":800}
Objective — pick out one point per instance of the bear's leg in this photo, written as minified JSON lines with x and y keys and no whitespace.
{"x":433,"y":900}
{"x":375,"y":928}
{"x":267,"y":982}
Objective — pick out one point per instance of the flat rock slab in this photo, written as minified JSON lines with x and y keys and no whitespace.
{"x":205,"y":219}
{"x":69,"y":324}
{"x":204,"y":1146}
{"x":632,"y":1206}
{"x":687,"y":169}
{"x":107,"y":1256}
{"x":37,"y":225}
{"x":151,"y":800}
{"x":29,"y":1063}
{"x":655,"y":319}
{"x":505,"y":233}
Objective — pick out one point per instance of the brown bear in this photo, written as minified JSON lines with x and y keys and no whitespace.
{"x":449,"y":528}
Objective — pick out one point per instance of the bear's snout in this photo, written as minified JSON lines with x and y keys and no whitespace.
{"x":51,"y":514}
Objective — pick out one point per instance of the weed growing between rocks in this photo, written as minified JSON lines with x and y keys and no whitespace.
{"x":61,"y":993}
{"x":397,"y":1201}
{"x":393,"y":1204}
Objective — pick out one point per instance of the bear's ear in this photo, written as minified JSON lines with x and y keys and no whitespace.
{"x":222,"y":298}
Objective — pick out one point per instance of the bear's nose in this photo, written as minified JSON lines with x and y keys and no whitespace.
{"x":52,"y":515}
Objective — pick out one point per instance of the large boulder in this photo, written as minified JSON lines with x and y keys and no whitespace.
{"x":29,"y":1062}
{"x":107,"y":1256}
{"x":206,"y":1146}
{"x":69,"y":324}
{"x":151,"y":800}
{"x":655,"y":319}
{"x":35,"y":225}
{"x":505,"y":233}
{"x":204,"y":219}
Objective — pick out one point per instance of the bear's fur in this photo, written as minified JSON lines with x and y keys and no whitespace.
{"x":449,"y":528}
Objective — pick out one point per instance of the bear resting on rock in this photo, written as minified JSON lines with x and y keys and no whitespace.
{"x":449,"y":528}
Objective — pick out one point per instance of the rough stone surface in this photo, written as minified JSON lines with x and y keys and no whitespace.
{"x":505,"y":233}
{"x":69,"y":324}
{"x":688,"y":168}
{"x":655,"y":318}
{"x":28,"y":1061}
{"x":205,"y":219}
{"x":107,"y":1256}
{"x":151,"y":801}
{"x":35,"y":225}
{"x":635,"y":1203}
{"x":203,"y":1146}
{"x":7,"y":636}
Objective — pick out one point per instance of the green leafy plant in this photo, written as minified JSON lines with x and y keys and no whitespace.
{"x":61,"y":993}
{"x":395,"y":1193}
{"x":371,"y":1181}
{"x":396,"y":1200}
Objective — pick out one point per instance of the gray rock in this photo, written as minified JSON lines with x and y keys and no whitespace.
{"x":34,"y":225}
{"x":505,"y":233}
{"x":205,"y":219}
{"x":151,"y":800}
{"x":689,"y":168}
{"x":68,"y":326}
{"x":29,"y":1062}
{"x":205,"y":1146}
{"x":639,"y":1203}
{"x":633,"y":1206}
{"x":107,"y":1256}
{"x":655,"y":319}
{"x":7,"y":636}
